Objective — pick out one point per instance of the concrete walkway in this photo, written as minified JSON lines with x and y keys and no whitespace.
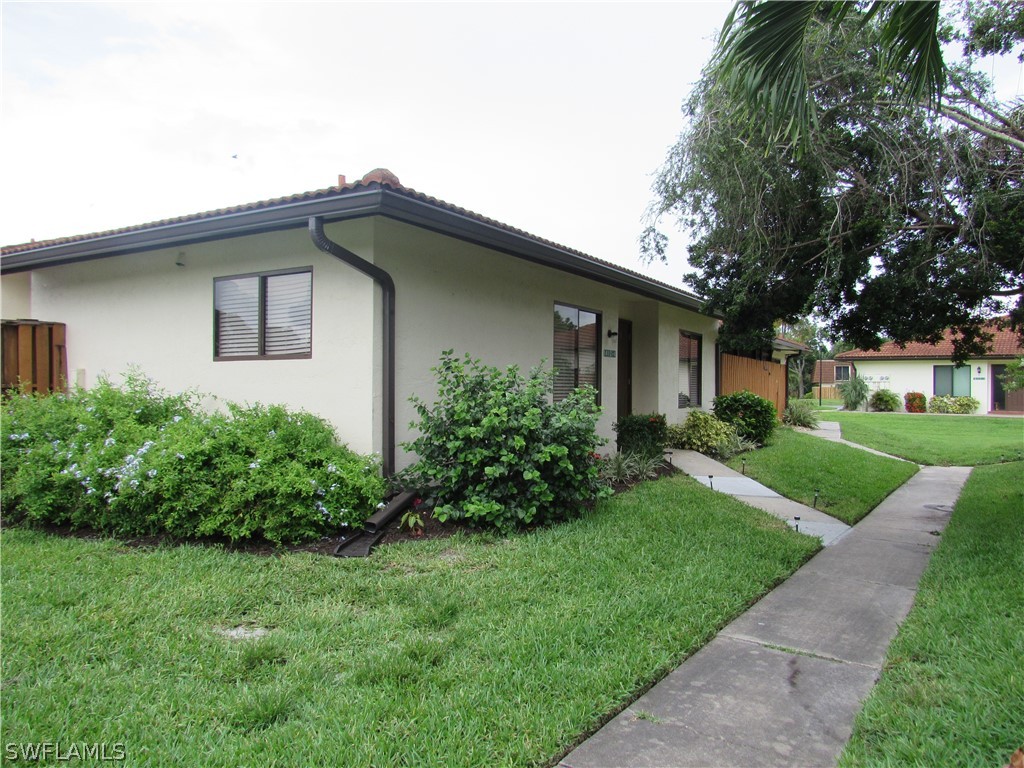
{"x":830,"y":430}
{"x":781,"y":685}
{"x":721,"y":478}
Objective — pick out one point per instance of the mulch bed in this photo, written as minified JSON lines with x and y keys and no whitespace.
{"x":394,"y":532}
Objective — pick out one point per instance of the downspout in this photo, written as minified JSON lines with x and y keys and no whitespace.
{"x":387,"y":287}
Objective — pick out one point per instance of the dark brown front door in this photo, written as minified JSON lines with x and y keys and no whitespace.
{"x":1001,"y":399}
{"x":625,"y":386}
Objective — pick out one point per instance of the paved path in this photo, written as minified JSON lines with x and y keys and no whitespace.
{"x":722,"y":478}
{"x":781,"y":685}
{"x":830,"y":430}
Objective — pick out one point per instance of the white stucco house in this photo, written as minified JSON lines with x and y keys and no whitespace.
{"x":340,"y":301}
{"x":929,"y":369}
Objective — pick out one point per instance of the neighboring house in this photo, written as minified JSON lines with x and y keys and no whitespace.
{"x":928,"y":368}
{"x":340,"y":301}
{"x":829,"y":372}
{"x":783,"y":350}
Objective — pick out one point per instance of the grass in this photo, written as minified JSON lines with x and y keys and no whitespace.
{"x":850,"y":482}
{"x":472,"y":651}
{"x":950,"y":693}
{"x":959,"y":441}
{"x":826,"y":403}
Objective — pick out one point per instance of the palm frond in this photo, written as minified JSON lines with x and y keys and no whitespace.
{"x":761,"y":54}
{"x":911,"y":51}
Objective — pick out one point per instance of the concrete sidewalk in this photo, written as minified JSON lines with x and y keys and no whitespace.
{"x":781,"y":685}
{"x":719,"y":477}
{"x":831,"y":430}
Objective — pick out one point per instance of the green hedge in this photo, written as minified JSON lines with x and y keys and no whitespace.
{"x":132,"y":460}
{"x":753,"y":416}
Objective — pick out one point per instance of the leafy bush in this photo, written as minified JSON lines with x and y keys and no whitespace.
{"x":854,"y":392}
{"x":800,"y":413}
{"x":950,"y":404}
{"x":753,"y":417}
{"x":914,"y":402}
{"x":131,"y":460}
{"x":493,"y":449}
{"x":642,"y":434}
{"x":884,"y":400}
{"x":701,"y":432}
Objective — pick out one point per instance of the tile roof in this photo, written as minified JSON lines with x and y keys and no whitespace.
{"x":379,"y":178}
{"x":1005,"y":343}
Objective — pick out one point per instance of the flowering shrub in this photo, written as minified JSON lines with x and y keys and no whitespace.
{"x":642,"y":434}
{"x":914,"y":402}
{"x":950,"y":404}
{"x":130,"y":460}
{"x":753,"y":417}
{"x":884,"y":400}
{"x":494,"y":450}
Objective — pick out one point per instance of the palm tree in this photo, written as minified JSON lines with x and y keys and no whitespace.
{"x":761,"y":54}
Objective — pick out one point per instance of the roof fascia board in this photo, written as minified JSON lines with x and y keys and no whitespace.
{"x":339,"y":207}
{"x":455,"y":224}
{"x":285,"y":216}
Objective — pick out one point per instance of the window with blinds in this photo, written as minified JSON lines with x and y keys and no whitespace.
{"x":689,"y":370}
{"x":577,"y":356}
{"x":267,"y":315}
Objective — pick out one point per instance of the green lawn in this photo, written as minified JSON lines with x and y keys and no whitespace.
{"x":850,"y":482}
{"x":951,"y":691}
{"x":826,"y":403}
{"x":476,"y":650}
{"x":959,"y":441}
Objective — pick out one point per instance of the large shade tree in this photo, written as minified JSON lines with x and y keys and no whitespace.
{"x":832,"y":163}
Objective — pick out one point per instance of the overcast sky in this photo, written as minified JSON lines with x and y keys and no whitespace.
{"x":549,"y":117}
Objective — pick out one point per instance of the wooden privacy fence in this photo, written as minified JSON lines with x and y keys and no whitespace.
{"x":828,"y":392}
{"x":762,"y":377}
{"x":34,"y":356}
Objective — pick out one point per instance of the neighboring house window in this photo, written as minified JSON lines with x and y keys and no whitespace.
{"x":689,"y":369}
{"x":951,"y":380}
{"x":842,"y":373}
{"x":261,"y":316}
{"x":577,"y":333}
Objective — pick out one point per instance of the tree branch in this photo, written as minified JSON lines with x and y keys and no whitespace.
{"x":967,"y":121}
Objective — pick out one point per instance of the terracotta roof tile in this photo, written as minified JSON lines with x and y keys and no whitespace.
{"x":1005,"y":343}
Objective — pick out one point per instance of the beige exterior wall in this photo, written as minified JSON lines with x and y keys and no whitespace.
{"x":16,"y":296}
{"x":454,"y":295}
{"x":902,"y":376}
{"x":145,"y":310}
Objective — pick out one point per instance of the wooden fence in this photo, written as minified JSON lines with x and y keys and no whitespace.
{"x":762,"y":377}
{"x":34,"y":356}
{"x":828,"y":392}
